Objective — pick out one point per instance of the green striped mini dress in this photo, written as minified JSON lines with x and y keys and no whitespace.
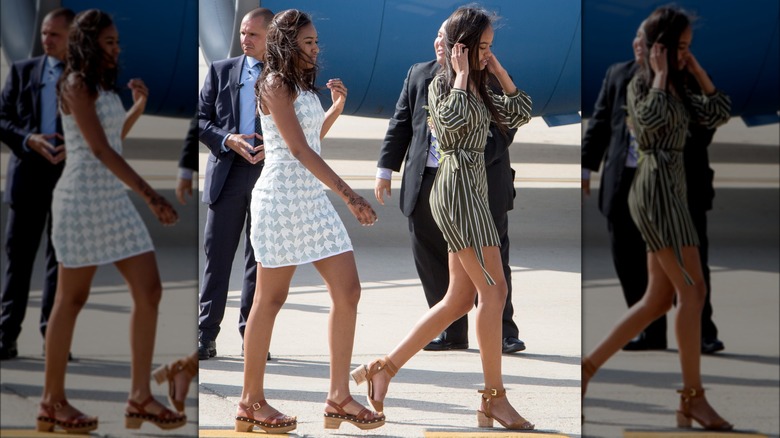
{"x":657,"y":199}
{"x":459,"y":201}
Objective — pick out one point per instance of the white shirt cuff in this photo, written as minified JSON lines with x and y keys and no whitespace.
{"x":585,"y":173}
{"x":384,"y":173}
{"x":185,"y":173}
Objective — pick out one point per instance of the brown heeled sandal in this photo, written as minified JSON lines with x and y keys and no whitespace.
{"x":76,"y":423}
{"x":165,"y":419}
{"x":246,"y":422}
{"x":188,"y":366}
{"x":364,"y":373}
{"x":588,"y":370}
{"x":364,"y":420}
{"x":685,"y":415}
{"x":485,"y":417}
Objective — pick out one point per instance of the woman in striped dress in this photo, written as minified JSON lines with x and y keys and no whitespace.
{"x":660,"y":108}
{"x":461,"y":107}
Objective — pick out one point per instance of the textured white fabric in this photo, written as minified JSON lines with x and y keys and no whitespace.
{"x":93,"y":220}
{"x":293,"y":221}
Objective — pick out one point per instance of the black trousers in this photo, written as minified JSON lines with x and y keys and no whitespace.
{"x":27,"y":222}
{"x":224,"y":221}
{"x":431,"y":260}
{"x":629,"y":255}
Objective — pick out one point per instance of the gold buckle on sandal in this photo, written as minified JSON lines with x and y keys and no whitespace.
{"x":256,"y":406}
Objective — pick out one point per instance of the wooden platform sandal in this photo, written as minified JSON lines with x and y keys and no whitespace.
{"x":485,"y":417}
{"x":165,"y":419}
{"x":76,"y":423}
{"x":188,"y":366}
{"x":276,"y":423}
{"x":364,"y":373}
{"x":685,"y":415}
{"x":364,"y":420}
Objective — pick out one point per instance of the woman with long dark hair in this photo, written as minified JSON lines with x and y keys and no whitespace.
{"x":461,"y":106}
{"x":660,"y":107}
{"x":95,"y":223}
{"x":294,"y":223}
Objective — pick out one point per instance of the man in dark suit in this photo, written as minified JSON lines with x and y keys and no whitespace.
{"x":408,"y":137}
{"x":607,"y":133}
{"x":226,"y":119}
{"x":188,"y":162}
{"x":30,"y":126}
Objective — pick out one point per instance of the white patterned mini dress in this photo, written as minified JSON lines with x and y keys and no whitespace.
{"x":93,"y":220}
{"x":293,"y":221}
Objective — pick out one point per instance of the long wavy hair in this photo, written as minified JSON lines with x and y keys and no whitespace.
{"x":283,"y":55}
{"x":85,"y":57}
{"x":466,"y":26}
{"x":665,"y":26}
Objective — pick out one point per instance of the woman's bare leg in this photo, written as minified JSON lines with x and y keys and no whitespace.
{"x":341,"y":277}
{"x":72,"y":292}
{"x":271,"y":290}
{"x":143,"y":278}
{"x":656,"y":301}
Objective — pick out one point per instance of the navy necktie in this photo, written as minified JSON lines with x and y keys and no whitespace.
{"x":258,"y":126}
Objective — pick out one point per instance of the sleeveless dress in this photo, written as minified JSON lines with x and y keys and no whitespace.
{"x":293,"y":221}
{"x":93,"y":220}
{"x":459,"y":201}
{"x":657,"y":199}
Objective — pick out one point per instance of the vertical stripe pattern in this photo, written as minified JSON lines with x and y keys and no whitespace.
{"x":459,"y":201}
{"x":657,"y":200}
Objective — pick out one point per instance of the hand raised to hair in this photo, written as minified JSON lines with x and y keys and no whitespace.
{"x":658,"y":59}
{"x":460,"y":59}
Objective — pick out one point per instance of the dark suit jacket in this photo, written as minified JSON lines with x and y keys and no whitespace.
{"x":30,"y":177}
{"x":407,"y":137}
{"x":189,"y":152}
{"x":607,"y":132}
{"x":218,"y":115}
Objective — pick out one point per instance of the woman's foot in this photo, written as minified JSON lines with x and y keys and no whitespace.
{"x":179,"y":374}
{"x":152,"y":411}
{"x":264,"y":416}
{"x":62,"y":414}
{"x":378,"y":375}
{"x":352,"y":412}
{"x":495,"y":406}
{"x":693,"y":406}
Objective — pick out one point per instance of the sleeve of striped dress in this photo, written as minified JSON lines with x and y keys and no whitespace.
{"x":451,"y":110}
{"x":710,"y":111}
{"x":648,"y":113}
{"x":515,"y":108}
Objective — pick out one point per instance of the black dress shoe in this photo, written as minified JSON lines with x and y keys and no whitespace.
{"x":512,"y":345}
{"x":711,"y":345}
{"x":440,"y":344}
{"x":643,"y":343}
{"x":8,"y":351}
{"x":207,"y":349}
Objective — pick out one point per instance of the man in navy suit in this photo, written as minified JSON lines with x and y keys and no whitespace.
{"x":226,"y":120}
{"x":30,"y":126}
{"x":408,"y":137}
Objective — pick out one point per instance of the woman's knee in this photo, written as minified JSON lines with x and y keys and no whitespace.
{"x":150,"y":294}
{"x":348,"y":296}
{"x":693,"y":296}
{"x":72,"y":300}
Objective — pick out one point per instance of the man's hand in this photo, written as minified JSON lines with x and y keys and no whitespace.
{"x":239,"y":143}
{"x":381,"y":187}
{"x":40,"y":144}
{"x":183,"y":189}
